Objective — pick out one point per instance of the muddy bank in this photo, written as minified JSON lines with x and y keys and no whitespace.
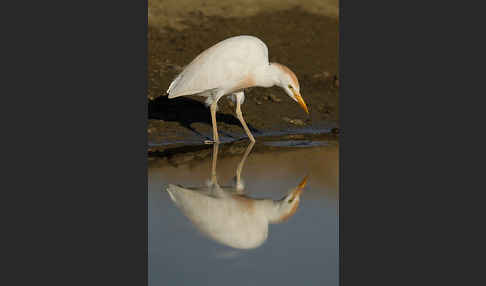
{"x":183,"y":154}
{"x":305,"y":41}
{"x":173,"y":13}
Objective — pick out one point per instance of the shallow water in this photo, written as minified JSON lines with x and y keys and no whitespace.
{"x":200,"y":234}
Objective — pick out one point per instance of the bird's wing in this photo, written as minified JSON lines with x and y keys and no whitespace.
{"x":232,"y":221}
{"x":224,"y":64}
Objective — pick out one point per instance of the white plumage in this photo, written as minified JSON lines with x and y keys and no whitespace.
{"x":222,"y":66}
{"x":229,"y":67}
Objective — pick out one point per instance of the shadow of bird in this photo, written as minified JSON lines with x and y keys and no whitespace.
{"x":187,"y":111}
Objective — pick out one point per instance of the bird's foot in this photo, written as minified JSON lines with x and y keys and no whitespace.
{"x":211,"y":142}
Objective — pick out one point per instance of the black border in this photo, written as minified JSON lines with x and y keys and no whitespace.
{"x":76,"y":143}
{"x":404,"y":103}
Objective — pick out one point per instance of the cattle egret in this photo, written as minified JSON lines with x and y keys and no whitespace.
{"x":227,"y":216}
{"x":229,"y":67}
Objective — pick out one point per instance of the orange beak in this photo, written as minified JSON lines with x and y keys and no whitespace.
{"x":300,"y":100}
{"x":299,"y":188}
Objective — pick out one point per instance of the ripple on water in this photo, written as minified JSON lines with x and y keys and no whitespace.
{"x":296,"y":143}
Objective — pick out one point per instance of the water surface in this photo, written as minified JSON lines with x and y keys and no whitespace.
{"x":188,"y":244}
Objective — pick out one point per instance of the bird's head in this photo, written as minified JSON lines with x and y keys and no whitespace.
{"x":287,"y":80}
{"x":287,"y":206}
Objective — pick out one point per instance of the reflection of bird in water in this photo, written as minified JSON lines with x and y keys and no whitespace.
{"x":229,"y":217}
{"x":229,"y":67}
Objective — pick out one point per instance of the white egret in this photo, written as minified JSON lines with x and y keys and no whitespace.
{"x":229,"y":217}
{"x":229,"y":67}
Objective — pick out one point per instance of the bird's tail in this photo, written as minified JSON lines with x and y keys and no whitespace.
{"x":173,"y":190}
{"x":172,"y":84}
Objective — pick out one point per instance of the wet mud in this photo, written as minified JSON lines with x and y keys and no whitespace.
{"x":184,"y":154}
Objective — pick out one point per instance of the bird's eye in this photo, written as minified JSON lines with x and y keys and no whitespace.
{"x":290,"y":87}
{"x":291,"y":200}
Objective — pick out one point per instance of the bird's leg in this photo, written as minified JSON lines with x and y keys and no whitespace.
{"x":240,"y":117}
{"x":239,"y":184}
{"x":213,"y":108}
{"x":214,"y":178}
{"x":215,"y":189}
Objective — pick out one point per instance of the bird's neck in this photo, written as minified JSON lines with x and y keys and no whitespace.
{"x":267,"y":75}
{"x":272,"y":210}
